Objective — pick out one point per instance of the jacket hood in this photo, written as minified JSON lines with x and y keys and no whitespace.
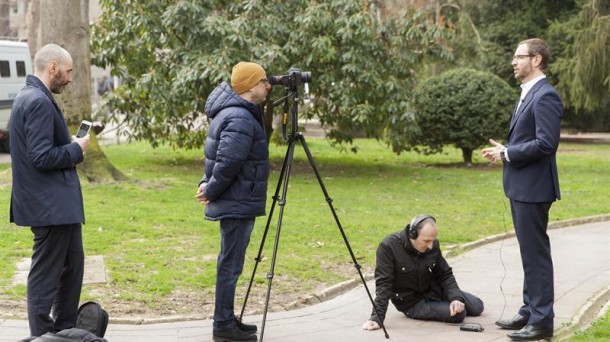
{"x":223,"y":97}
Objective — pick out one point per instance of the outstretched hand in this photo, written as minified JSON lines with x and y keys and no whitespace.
{"x":493,"y":153}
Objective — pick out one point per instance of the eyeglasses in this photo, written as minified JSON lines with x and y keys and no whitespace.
{"x":522,"y":56}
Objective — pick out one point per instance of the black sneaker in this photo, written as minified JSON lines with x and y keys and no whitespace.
{"x":232,"y":335}
{"x":247,"y":328}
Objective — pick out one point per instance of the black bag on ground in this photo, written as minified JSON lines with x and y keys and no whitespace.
{"x":70,"y":335}
{"x":93,"y":318}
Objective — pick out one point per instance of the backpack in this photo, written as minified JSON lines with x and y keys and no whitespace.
{"x":91,"y":317}
{"x":70,"y":335}
{"x":91,"y":324}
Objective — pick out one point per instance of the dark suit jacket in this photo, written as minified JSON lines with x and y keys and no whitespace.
{"x":533,"y":138}
{"x":46,"y":189}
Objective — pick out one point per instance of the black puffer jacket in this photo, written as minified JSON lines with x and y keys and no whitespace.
{"x":407,"y":276}
{"x":236,"y":157}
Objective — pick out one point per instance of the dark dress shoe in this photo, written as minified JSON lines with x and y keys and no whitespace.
{"x":232,"y":335}
{"x":530,"y":333}
{"x":245,"y":327}
{"x":514,"y":323}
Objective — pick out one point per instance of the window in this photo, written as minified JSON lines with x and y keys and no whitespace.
{"x":5,"y":71}
{"x":20,"y":69}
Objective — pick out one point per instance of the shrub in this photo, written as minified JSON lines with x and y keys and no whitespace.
{"x":462,"y":107}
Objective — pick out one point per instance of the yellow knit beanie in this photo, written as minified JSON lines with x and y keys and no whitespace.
{"x":245,"y":76}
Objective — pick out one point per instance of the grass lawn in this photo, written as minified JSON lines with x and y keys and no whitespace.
{"x":599,"y":331}
{"x":161,"y":254}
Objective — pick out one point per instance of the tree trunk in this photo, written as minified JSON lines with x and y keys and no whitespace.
{"x":5,"y":27}
{"x":32,"y":25}
{"x":66,"y":23}
{"x":467,"y":156}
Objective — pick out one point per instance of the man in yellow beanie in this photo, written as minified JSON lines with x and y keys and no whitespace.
{"x":234,"y":185}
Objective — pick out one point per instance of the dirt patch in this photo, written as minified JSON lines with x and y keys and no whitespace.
{"x":181,"y":304}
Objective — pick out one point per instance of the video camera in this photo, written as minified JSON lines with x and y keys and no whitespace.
{"x":293,"y":79}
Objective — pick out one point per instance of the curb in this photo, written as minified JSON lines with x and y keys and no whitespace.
{"x":328,"y":293}
{"x":552,"y":225}
{"x":594,"y":308}
{"x":156,"y":320}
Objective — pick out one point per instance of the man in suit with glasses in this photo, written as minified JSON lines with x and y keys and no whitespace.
{"x":531,"y":183}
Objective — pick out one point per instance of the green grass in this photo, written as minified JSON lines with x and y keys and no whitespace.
{"x":599,"y":331}
{"x":157,"y":245}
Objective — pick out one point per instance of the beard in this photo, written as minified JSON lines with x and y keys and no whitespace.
{"x":58,"y":83}
{"x":523,"y":73}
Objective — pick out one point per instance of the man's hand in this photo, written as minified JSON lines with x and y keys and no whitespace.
{"x":370,"y":325}
{"x":493,"y":153}
{"x":200,"y":195}
{"x":82,"y":142}
{"x":456,"y":307}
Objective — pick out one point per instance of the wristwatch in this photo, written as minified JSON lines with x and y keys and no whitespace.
{"x":503,"y":154}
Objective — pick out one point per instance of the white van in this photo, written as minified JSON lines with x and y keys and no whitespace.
{"x":15,"y":64}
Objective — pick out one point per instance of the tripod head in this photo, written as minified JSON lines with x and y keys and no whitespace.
{"x":291,"y":81}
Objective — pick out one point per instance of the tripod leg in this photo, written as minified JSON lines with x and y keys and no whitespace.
{"x":329,"y":200}
{"x":282,"y":201}
{"x":264,"y":238}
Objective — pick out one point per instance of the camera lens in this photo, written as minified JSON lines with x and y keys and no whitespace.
{"x":274,"y":80}
{"x":305,"y":76}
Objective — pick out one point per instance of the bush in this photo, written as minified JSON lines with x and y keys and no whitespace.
{"x":462,"y":107}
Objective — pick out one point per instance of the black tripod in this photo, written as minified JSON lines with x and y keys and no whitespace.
{"x":291,"y":84}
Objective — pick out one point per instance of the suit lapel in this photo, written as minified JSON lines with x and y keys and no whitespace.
{"x":512,"y":117}
{"x":528,"y":98}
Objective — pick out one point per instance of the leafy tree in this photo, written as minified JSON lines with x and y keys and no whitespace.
{"x":583,"y":68}
{"x":171,"y":54}
{"x":487,"y":32}
{"x":462,"y":107}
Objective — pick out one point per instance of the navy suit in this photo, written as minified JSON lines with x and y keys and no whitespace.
{"x":532,"y":184}
{"x":46,"y":195}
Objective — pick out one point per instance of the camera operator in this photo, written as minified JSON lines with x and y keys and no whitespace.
{"x":411,"y":271}
{"x":234,"y":186}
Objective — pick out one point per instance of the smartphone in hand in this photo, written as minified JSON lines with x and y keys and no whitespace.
{"x":84,"y":128}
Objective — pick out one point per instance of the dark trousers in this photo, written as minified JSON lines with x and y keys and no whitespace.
{"x":432,"y":310}
{"x":530,"y":221}
{"x":235,"y":237}
{"x":56,"y":277}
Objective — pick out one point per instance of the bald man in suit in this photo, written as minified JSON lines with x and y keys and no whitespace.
{"x":46,"y":193}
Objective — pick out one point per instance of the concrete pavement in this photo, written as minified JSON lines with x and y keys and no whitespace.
{"x":491,"y":270}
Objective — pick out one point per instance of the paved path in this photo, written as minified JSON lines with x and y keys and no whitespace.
{"x":581,"y":255}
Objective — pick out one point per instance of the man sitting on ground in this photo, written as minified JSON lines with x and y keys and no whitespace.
{"x":412,"y":272}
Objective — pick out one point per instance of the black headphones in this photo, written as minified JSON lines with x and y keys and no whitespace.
{"x":413,"y":228}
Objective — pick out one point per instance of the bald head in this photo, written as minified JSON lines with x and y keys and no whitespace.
{"x":426,"y":236}
{"x":50,"y":53}
{"x":53,"y":66}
